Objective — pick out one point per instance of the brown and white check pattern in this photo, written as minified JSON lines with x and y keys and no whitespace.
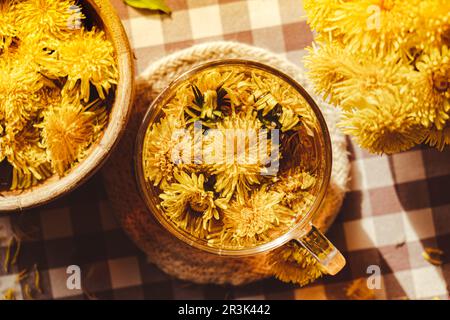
{"x":396,"y":206}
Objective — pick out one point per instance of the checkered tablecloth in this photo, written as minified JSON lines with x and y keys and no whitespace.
{"x":397,"y":205}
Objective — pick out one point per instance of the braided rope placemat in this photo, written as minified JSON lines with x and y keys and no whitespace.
{"x":168,"y":253}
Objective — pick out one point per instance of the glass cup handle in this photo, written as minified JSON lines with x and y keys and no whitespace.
{"x":323,"y":250}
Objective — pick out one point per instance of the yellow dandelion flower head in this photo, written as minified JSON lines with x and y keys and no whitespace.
{"x":17,"y":77}
{"x":326,"y":71}
{"x":188,"y":204}
{"x":434,"y":23}
{"x":213,"y":79}
{"x":431,"y":90}
{"x":256,"y":221}
{"x":86,"y":58}
{"x":8,"y":26}
{"x":178,"y":105}
{"x":55,"y":18}
{"x":296,"y":185}
{"x":438,"y":138}
{"x":27,"y":158}
{"x":19,"y":110}
{"x":373,"y":25}
{"x":371,"y":78}
{"x":293,"y":263}
{"x":18,"y":98}
{"x":235,"y":155}
{"x":31,"y":51}
{"x":208,"y":97}
{"x":68,"y":129}
{"x":278,"y":104}
{"x":319,"y":13}
{"x":160,"y":151}
{"x":385,"y":126}
{"x":349,"y":80}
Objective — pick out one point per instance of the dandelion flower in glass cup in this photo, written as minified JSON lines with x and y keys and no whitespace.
{"x":234,"y":158}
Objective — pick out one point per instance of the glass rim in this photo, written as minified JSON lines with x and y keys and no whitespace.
{"x":297,"y":229}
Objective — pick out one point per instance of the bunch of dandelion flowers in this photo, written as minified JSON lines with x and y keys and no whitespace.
{"x":86,"y":58}
{"x":403,"y":53}
{"x":256,"y":221}
{"x":189,"y":205}
{"x":68,"y":129}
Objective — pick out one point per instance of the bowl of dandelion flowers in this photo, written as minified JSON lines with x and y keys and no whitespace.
{"x":66,"y":86}
{"x":234,"y":158}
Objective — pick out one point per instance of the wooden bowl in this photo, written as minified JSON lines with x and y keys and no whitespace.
{"x":102,"y":14}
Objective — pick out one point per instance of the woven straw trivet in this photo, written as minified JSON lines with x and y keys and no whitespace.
{"x":168,"y":253}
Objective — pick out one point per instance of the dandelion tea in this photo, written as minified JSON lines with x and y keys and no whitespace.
{"x":233,"y":157}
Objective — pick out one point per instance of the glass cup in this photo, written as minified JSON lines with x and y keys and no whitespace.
{"x":302,"y":230}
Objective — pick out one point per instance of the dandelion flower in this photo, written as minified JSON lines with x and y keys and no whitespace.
{"x":245,"y":166}
{"x":296,"y":185}
{"x":438,"y":138}
{"x":27,"y":158}
{"x":279,"y":105}
{"x":256,"y":221}
{"x":86,"y":58}
{"x":386,"y":126}
{"x":432,"y":87}
{"x":208,"y":98}
{"x":372,"y":78}
{"x":18,"y":98}
{"x":326,"y":71}
{"x":68,"y":129}
{"x":293,"y":263}
{"x":319,"y":13}
{"x":434,"y":23}
{"x":167,"y":149}
{"x":46,"y":18}
{"x":373,"y":25}
{"x":182,"y":101}
{"x":188,"y":204}
{"x":8,"y":26}
{"x":348,"y":82}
